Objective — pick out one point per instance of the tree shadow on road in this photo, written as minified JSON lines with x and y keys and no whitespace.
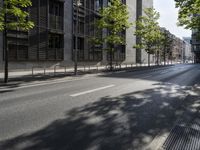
{"x":127,"y":122}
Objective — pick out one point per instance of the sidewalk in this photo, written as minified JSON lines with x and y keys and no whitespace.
{"x":41,"y":74}
{"x":185,"y":134}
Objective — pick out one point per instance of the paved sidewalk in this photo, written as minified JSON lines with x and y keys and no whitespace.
{"x":52,"y":73}
{"x":185,"y":135}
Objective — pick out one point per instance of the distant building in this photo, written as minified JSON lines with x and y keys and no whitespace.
{"x":188,"y":54}
{"x":178,"y":49}
{"x":196,"y":45}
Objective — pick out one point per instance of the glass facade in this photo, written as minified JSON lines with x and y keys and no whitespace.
{"x":87,"y":15}
{"x":196,"y":45}
{"x":45,"y":42}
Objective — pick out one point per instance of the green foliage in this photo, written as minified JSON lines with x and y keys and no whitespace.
{"x":167,"y":42}
{"x":189,"y":13}
{"x":114,"y":19}
{"x":16,"y":14}
{"x":148,"y":31}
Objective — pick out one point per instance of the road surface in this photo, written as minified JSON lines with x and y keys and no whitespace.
{"x":118,"y":111}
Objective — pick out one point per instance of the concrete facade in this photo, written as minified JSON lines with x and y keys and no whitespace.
{"x":130,"y":52}
{"x":68,"y":32}
{"x":130,"y":38}
{"x":144,"y":55}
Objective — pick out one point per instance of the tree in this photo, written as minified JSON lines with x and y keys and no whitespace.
{"x":166,"y":43}
{"x":13,"y":16}
{"x":189,"y":13}
{"x":148,"y":30}
{"x":114,"y":19}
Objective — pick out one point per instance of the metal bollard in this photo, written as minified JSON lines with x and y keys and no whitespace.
{"x":44,"y":71}
{"x":32,"y":71}
{"x":55,"y":70}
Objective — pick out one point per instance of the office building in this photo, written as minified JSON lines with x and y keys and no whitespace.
{"x":52,"y":41}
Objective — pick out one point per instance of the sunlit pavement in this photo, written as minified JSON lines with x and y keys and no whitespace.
{"x":121,"y":111}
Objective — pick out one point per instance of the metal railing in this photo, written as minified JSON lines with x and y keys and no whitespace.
{"x":58,"y":69}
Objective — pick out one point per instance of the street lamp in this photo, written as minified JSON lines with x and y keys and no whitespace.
{"x":78,"y":4}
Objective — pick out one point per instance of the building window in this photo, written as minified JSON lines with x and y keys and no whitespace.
{"x":119,"y":54}
{"x":55,"y":49}
{"x":56,"y":15}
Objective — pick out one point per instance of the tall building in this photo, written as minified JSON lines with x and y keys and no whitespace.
{"x":52,"y":40}
{"x":196,"y":45}
{"x":188,"y":54}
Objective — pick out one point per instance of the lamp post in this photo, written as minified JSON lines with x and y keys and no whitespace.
{"x":78,"y":4}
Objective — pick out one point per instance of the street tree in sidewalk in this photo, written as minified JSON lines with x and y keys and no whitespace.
{"x":148,"y":30}
{"x":13,"y":16}
{"x":167,"y":43}
{"x":114,"y":20}
{"x":189,"y":13}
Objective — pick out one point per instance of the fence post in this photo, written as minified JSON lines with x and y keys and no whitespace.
{"x":54,"y":70}
{"x":65,"y":69}
{"x":44,"y":71}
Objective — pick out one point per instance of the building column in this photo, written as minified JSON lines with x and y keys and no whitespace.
{"x":130,"y":37}
{"x":68,"y":30}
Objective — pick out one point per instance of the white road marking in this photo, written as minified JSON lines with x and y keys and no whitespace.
{"x":147,"y":76}
{"x":91,"y":91}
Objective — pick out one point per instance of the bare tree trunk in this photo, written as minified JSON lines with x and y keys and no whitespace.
{"x":111,"y":59}
{"x":148,"y":59}
{"x":6,"y":57}
{"x":164,"y":57}
{"x":5,"y":50}
{"x":158,"y":53}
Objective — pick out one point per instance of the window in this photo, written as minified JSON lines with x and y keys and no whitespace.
{"x":55,"y":50}
{"x":56,"y":15}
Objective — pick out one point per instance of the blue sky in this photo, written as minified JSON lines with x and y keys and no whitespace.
{"x":168,"y":17}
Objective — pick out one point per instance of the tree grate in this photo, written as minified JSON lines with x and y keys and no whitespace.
{"x":184,"y":137}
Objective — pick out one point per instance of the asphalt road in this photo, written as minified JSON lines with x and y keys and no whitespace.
{"x":119,"y":111}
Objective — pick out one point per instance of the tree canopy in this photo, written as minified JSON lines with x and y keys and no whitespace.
{"x":13,"y":15}
{"x":113,"y":19}
{"x":148,"y":31}
{"x":189,"y":13}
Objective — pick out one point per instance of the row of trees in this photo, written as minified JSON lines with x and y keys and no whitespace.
{"x":114,"y":19}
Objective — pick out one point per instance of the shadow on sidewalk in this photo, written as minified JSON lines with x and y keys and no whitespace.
{"x":18,"y":81}
{"x":126,"y":122}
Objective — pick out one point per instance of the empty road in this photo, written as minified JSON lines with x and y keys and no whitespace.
{"x":118,"y":111}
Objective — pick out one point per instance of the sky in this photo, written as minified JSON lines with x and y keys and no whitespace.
{"x":168,"y":17}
